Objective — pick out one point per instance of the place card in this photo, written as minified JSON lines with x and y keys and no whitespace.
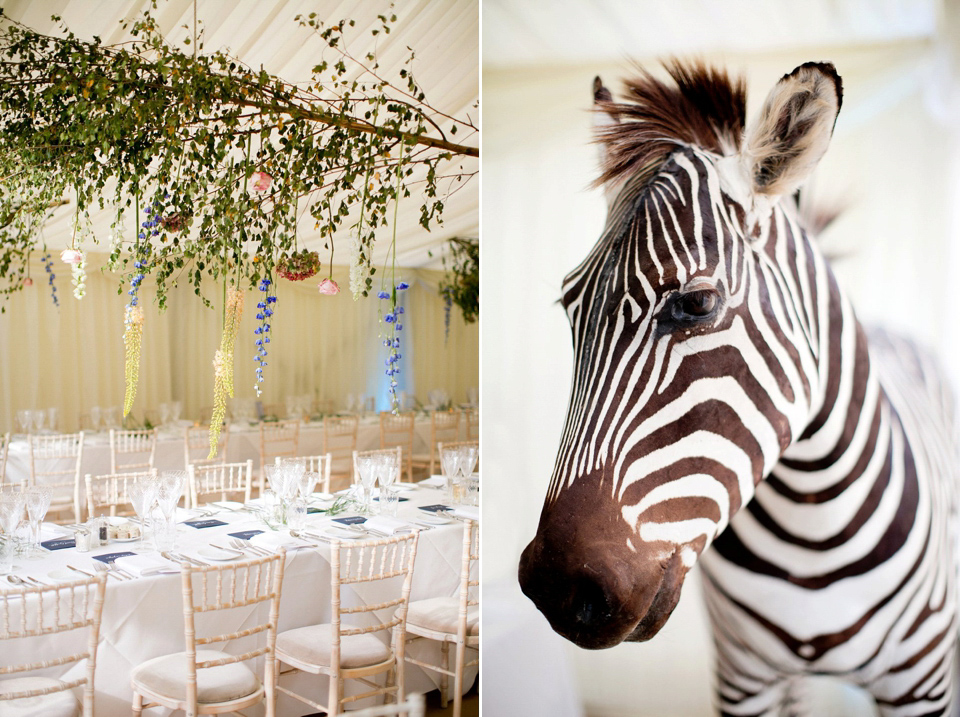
{"x":434,"y":508}
{"x":110,"y":557}
{"x":350,"y":520}
{"x":245,"y":535}
{"x":208,"y":523}
{"x":59,"y":543}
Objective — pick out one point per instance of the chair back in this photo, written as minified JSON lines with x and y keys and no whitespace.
{"x":216,"y":481}
{"x":397,"y":430}
{"x":316,"y":464}
{"x":473,"y":424}
{"x":339,"y":442}
{"x":55,"y":463}
{"x":34,"y":614}
{"x":354,"y":563}
{"x":132,"y":450}
{"x":444,"y":427}
{"x":196,"y":445}
{"x":397,"y":452}
{"x":469,"y":575}
{"x":4,"y":448}
{"x":112,"y":491}
{"x":225,"y":587}
{"x":281,"y":438}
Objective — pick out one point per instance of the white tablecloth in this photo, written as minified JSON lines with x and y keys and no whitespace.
{"x":244,"y":443}
{"x":143,"y":618}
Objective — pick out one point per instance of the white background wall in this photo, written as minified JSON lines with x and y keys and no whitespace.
{"x":893,"y":162}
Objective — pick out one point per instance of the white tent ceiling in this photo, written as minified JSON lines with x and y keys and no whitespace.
{"x":444,"y":34}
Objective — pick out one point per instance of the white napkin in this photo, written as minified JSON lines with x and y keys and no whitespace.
{"x":470,"y":512}
{"x":51,"y":531}
{"x":387,"y":524}
{"x":272,"y":539}
{"x":434,"y":482}
{"x":142,"y":565}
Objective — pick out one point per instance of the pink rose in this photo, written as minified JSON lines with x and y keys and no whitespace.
{"x":328,"y":286}
{"x":28,"y":281}
{"x":71,"y":256}
{"x":261,"y":181}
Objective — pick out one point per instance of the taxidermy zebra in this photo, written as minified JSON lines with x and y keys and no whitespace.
{"x":725,"y":396}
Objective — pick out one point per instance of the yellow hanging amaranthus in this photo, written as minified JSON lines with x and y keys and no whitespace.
{"x":132,"y":339}
{"x":223,"y":365}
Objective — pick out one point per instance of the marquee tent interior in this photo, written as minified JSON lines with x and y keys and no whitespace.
{"x":893,"y":164}
{"x":325,"y":347}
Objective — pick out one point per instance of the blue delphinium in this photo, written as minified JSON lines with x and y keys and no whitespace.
{"x":262,"y":332}
{"x":48,"y":266}
{"x":392,"y":342}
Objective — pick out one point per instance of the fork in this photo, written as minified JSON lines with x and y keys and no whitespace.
{"x":103,"y":568}
{"x":246,"y":545}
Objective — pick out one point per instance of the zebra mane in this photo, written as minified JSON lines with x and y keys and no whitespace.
{"x":698,"y":105}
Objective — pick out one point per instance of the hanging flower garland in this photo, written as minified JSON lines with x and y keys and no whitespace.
{"x":48,"y":267}
{"x":223,"y":365}
{"x":262,"y":332}
{"x":133,"y":315}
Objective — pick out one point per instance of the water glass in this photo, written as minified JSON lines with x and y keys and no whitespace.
{"x":38,"y":502}
{"x":53,"y":419}
{"x":472,"y":492}
{"x":297,"y":514}
{"x":389,"y":500}
{"x":176,"y":408}
{"x":12,"y":504}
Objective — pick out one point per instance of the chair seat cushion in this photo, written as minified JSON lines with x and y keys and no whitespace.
{"x":167,"y":675}
{"x":56,"y":704}
{"x":312,"y":645}
{"x":441,"y":614}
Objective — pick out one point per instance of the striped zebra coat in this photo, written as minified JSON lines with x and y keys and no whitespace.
{"x":726,"y":397}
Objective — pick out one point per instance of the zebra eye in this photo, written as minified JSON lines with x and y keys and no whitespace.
{"x":697,"y":304}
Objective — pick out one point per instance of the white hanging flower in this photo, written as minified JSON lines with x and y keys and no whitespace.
{"x":79,"y":279}
{"x":356,"y":271}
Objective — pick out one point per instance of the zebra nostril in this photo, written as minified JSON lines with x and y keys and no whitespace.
{"x":589,"y":604}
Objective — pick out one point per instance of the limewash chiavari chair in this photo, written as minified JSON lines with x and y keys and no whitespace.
{"x":196,"y":445}
{"x":112,"y":491}
{"x":36,"y":613}
{"x":398,"y":431}
{"x":444,"y":427}
{"x":458,"y":444}
{"x":345,"y":649}
{"x":451,"y":621}
{"x":140,"y":443}
{"x":55,"y":463}
{"x":219,"y":480}
{"x":277,"y":439}
{"x":473,"y":424}
{"x":396,"y":451}
{"x":204,"y":681}
{"x":316,"y":464}
{"x":339,"y":442}
{"x":4,"y":448}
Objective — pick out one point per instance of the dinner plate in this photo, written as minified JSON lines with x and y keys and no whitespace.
{"x":125,"y":540}
{"x":344,"y":534}
{"x":211,"y":553}
{"x":64,"y":575}
{"x":434,"y":519}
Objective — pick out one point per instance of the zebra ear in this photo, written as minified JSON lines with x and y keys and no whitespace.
{"x":782,"y":146}
{"x":603,"y":117}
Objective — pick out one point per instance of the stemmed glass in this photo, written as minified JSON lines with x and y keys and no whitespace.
{"x":468,"y":460}
{"x":450,"y":462}
{"x":38,"y":502}
{"x":143,"y":496}
{"x":367,"y":469}
{"x":39,"y":418}
{"x":25,"y":419}
{"x":11,"y":509}
{"x":175,"y":409}
{"x":306,"y":483}
{"x":168,"y":496}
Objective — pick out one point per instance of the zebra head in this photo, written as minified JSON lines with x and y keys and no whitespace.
{"x":695,"y":336}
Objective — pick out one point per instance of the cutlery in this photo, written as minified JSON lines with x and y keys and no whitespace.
{"x":102,"y":568}
{"x":255,"y":549}
{"x":312,"y":536}
{"x":17,"y":580}
{"x":82,"y":572}
{"x":193,"y":561}
{"x":229,"y":550}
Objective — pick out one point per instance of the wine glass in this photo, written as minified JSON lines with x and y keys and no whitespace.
{"x":468,"y":460}
{"x":39,"y":419}
{"x":25,"y":419}
{"x":306,"y":483}
{"x":168,"y":496}
{"x":143,"y":497}
{"x":38,"y":502}
{"x":11,"y":510}
{"x":367,"y":473}
{"x":174,"y":483}
{"x":175,"y":409}
{"x":95,"y":418}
